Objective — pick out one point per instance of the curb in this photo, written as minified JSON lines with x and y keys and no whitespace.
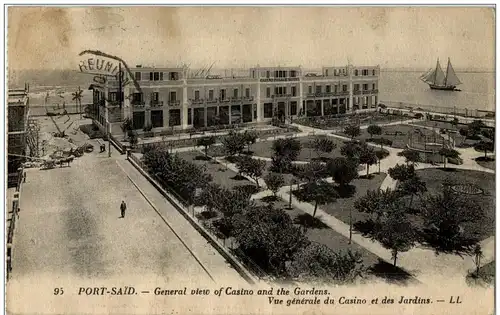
{"x":223,"y":251}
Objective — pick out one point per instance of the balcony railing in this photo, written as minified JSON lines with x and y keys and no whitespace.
{"x":156,"y":103}
{"x":138,"y":103}
{"x":226,"y":100}
{"x":197,"y":101}
{"x":113,"y":103}
{"x":282,"y":95}
{"x":278,"y":79}
{"x":357,"y":92}
{"x":212,"y":101}
{"x":174,"y":103}
{"x":247,"y":98}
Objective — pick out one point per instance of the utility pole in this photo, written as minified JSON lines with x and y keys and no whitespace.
{"x":120,"y":102}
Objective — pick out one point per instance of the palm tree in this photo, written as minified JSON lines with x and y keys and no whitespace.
{"x":77,"y":97}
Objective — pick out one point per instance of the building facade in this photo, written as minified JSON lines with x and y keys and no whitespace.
{"x":177,"y":98}
{"x":17,"y":126}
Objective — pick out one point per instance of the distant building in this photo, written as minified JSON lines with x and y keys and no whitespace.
{"x":17,"y":125}
{"x":177,"y":98}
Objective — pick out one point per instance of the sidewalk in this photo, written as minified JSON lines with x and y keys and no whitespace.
{"x":217,"y":266}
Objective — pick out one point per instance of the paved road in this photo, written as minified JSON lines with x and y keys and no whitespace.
{"x":70,"y":234}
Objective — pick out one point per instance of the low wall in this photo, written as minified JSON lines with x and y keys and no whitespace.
{"x":191,"y":142}
{"x":470,"y":113}
{"x":12,"y":217}
{"x":206,"y":234}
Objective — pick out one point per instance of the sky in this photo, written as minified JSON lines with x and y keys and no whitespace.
{"x":393,"y":37}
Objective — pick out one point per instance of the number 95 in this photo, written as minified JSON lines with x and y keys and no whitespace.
{"x":58,"y":291}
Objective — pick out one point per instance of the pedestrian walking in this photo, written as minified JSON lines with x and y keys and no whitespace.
{"x":123,"y":207}
{"x":24,"y":177}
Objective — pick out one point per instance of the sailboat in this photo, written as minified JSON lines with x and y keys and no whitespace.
{"x":438,"y":80}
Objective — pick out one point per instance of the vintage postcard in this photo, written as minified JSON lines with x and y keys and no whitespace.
{"x":250,"y":160}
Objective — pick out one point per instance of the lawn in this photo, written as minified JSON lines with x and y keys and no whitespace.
{"x":399,"y":135}
{"x":307,"y":154}
{"x":220,"y":175}
{"x":434,"y":179}
{"x":319,"y":232}
{"x":340,"y":208}
{"x":489,"y":162}
{"x":328,"y":123}
{"x":440,"y":124}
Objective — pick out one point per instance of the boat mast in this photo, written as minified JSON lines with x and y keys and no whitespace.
{"x":435,"y":72}
{"x":447,"y":70}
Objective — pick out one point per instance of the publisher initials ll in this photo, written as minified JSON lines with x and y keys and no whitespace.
{"x":455,"y":300}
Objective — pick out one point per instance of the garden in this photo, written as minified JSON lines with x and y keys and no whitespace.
{"x":447,"y":210}
{"x":230,"y":213}
{"x":396,"y":136}
{"x":482,"y":194}
{"x":340,"y":121}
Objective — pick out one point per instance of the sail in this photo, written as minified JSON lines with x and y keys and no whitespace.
{"x":428,"y":77}
{"x":439,"y":75}
{"x":451,"y":77}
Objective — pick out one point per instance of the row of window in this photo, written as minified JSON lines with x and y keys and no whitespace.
{"x":278,"y":74}
{"x":156,"y":76}
{"x":278,"y":90}
{"x":364,"y":72}
{"x":328,"y":89}
{"x":365,"y":87}
{"x":222,"y":94}
{"x":173,"y":76}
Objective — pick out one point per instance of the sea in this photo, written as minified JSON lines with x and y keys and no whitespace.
{"x":400,"y":87}
{"x":477,"y":91}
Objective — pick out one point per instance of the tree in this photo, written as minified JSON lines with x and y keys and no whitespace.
{"x":381,"y":154}
{"x":250,"y":138}
{"x":251,"y":167}
{"x":485,"y":146}
{"x":445,"y":215}
{"x":413,"y":186}
{"x":478,"y":254}
{"x":474,"y":128}
{"x":454,"y":122}
{"x":269,"y":237}
{"x":374,"y":130}
{"x":288,"y":147}
{"x":178,"y":175}
{"x":133,"y":139}
{"x":234,"y":143}
{"x":411,"y":156}
{"x":402,"y":172}
{"x":206,"y":142}
{"x":352,"y":131}
{"x":367,"y":156}
{"x":320,"y":192}
{"x":274,"y":181}
{"x":77,"y":97}
{"x":397,"y":233}
{"x":351,"y":150}
{"x":375,"y":202}
{"x":489,"y":133}
{"x":319,"y":264}
{"x":448,"y":153}
{"x":323,"y":145}
{"x":311,"y":171}
{"x":126,"y":125}
{"x":285,"y":152}
{"x":342,"y":170}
